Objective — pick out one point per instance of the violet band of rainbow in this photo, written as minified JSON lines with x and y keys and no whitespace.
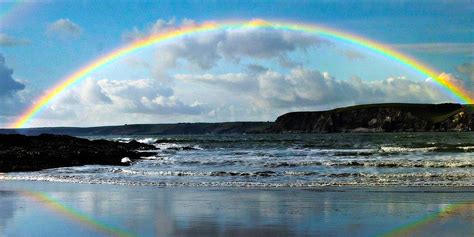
{"x":75,"y":215}
{"x":449,"y":87}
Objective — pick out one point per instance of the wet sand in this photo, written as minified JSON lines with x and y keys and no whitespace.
{"x":63,"y":209}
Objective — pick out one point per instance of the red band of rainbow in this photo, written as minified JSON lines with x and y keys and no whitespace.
{"x":457,"y":91}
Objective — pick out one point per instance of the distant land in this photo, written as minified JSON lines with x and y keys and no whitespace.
{"x":391,"y":117}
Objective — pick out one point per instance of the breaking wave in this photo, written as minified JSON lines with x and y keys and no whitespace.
{"x":284,"y":161}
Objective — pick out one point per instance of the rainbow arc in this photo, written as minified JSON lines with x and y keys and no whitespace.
{"x":450,"y":87}
{"x":75,"y":215}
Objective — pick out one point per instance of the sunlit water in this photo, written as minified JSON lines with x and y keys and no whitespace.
{"x":303,"y":160}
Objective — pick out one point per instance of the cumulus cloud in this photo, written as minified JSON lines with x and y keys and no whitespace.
{"x":145,"y":96}
{"x":8,"y":84}
{"x":13,"y":95}
{"x":252,"y":95}
{"x":10,"y":41}
{"x":305,"y":88}
{"x":107,"y":101}
{"x":64,"y":29}
{"x":157,"y":27}
{"x":204,"y":51}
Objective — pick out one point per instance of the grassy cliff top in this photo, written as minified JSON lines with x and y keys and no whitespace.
{"x":431,"y":112}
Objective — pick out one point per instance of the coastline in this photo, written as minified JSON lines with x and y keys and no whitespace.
{"x":50,"y":208}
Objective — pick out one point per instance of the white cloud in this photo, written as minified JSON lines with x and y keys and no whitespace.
{"x":145,"y":96}
{"x":304,"y":88}
{"x":64,"y":29}
{"x":227,"y":97}
{"x":232,"y":81}
{"x":104,"y":101}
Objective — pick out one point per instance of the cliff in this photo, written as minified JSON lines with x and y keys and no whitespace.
{"x":360,"y":118}
{"x":380,"y":118}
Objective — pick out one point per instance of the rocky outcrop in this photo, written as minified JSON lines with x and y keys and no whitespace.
{"x":31,"y":153}
{"x":379,"y":118}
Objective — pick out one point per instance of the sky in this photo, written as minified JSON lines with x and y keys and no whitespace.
{"x":228,"y":75}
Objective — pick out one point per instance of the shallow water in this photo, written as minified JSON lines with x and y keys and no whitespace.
{"x":64,"y":209}
{"x":280,"y":160}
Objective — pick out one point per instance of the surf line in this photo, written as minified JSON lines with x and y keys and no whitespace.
{"x":75,"y":215}
{"x":448,"y":86}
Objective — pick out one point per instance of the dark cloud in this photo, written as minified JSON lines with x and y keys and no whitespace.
{"x":204,"y":51}
{"x":8,"y":84}
{"x":10,"y":41}
{"x":255,"y":68}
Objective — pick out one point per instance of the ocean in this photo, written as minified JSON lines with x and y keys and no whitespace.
{"x":285,"y":160}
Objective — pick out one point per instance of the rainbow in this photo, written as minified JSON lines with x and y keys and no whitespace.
{"x":73,"y":214}
{"x":448,"y":211}
{"x":15,"y":9}
{"x":455,"y":90}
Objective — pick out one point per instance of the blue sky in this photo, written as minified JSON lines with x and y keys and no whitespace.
{"x":45,"y":40}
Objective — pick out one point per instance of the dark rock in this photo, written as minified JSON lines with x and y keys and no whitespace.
{"x":219,"y":173}
{"x":182,"y":148}
{"x":32,"y":153}
{"x":265,"y":173}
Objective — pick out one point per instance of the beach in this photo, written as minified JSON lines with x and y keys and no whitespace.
{"x":401,"y":184}
{"x":236,"y":118}
{"x":35,"y":208}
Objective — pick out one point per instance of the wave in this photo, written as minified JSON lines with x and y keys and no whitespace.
{"x":398,"y":149}
{"x":147,"y":140}
{"x":348,"y":179}
{"x":161,"y":144}
{"x":438,"y":148}
{"x":407,"y":164}
{"x":177,"y":147}
{"x":292,"y":164}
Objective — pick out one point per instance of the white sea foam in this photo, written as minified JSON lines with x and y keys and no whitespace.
{"x":174,"y":146}
{"x":398,"y":149}
{"x":466,"y":148}
{"x":147,"y":140}
{"x":123,"y":139}
{"x":243,"y":162}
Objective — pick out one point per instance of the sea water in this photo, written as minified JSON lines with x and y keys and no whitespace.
{"x":285,"y":160}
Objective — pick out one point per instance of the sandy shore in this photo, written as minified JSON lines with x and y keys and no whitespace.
{"x":62,"y":209}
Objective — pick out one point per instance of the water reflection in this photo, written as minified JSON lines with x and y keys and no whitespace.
{"x":7,"y":209}
{"x":151,"y":211}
